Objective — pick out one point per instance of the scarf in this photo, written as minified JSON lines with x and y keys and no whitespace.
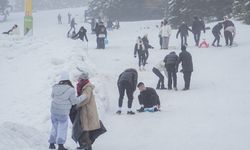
{"x":80,"y":85}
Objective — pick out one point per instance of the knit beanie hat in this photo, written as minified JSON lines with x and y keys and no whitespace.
{"x":84,"y":75}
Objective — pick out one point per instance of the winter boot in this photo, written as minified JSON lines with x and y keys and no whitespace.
{"x":158,"y":86}
{"x":175,"y":88}
{"x":163,"y":87}
{"x":130,"y":113}
{"x":52,"y":146}
{"x":61,"y":147}
{"x":141,"y":109}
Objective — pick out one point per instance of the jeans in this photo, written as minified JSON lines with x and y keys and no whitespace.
{"x":125,"y":86}
{"x":59,"y":129}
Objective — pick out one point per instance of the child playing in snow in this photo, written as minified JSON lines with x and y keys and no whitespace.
{"x":63,"y":97}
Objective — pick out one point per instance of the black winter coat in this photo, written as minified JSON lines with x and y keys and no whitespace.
{"x":81,"y":35}
{"x":140,"y":51}
{"x":186,"y":59}
{"x":149,"y":97}
{"x":171,"y":59}
{"x":198,"y":26}
{"x":129,"y":75}
{"x":227,"y":23}
{"x":183,"y":30}
{"x":146,"y":43}
{"x":217,"y":28}
{"x":101,"y":29}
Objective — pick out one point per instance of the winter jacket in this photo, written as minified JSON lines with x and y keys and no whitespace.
{"x":161,"y":67}
{"x":183,"y":30}
{"x":171,"y":59}
{"x":146,"y":43}
{"x":149,"y":97}
{"x":81,"y":35}
{"x":186,"y":59}
{"x":217,"y":28}
{"x":165,"y":31}
{"x":88,"y":110}
{"x":139,"y":49}
{"x":129,"y":75}
{"x":63,"y":97}
{"x":101,"y":31}
{"x":198,"y":26}
{"x":227,"y":23}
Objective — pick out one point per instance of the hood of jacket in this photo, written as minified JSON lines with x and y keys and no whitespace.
{"x":60,"y":89}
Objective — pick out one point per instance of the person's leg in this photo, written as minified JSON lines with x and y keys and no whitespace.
{"x":175,"y":79}
{"x":146,"y":55}
{"x":230,"y":35}
{"x":85,"y":141}
{"x":144,"y":59}
{"x":164,"y":43}
{"x":182,"y":38}
{"x":140,"y":58}
{"x":198,"y":38}
{"x":185,"y":39}
{"x":167,"y":42}
{"x":195,"y":38}
{"x":98,"y":42}
{"x":160,"y":38}
{"x":53,"y":133}
{"x":62,"y":129}
{"x":226,"y":37}
{"x":156,"y":72}
{"x":169,"y":80}
{"x":129,"y":93}
{"x":140,"y":100}
{"x":121,"y":94}
{"x":188,"y":79}
{"x":218,"y":40}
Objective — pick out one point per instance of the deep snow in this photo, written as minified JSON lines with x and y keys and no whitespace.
{"x":213,"y":115}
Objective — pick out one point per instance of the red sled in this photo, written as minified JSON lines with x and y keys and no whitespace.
{"x":204,"y":44}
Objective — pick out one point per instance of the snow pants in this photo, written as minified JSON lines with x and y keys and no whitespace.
{"x":100,"y":43}
{"x":217,"y":38}
{"x":160,"y":83}
{"x":183,"y":40}
{"x":228,"y":37}
{"x":122,"y":87}
{"x":197,"y":37}
{"x":59,"y":129}
{"x":165,"y":42}
{"x":187,"y":79}
{"x":172,"y":77}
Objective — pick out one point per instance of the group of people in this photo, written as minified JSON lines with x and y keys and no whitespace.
{"x":59,"y":18}
{"x":170,"y":66}
{"x":82,"y":110}
{"x":148,"y":98}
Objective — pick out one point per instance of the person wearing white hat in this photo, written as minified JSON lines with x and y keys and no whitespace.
{"x":63,"y":97}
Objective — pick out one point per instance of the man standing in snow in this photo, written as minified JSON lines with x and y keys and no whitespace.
{"x":187,"y":66}
{"x":127,"y":81}
{"x":165,"y":33}
{"x":171,"y":62}
{"x":101,"y":33}
{"x":183,"y":31}
{"x":229,"y":31}
{"x":148,"y":99}
{"x":197,"y":27}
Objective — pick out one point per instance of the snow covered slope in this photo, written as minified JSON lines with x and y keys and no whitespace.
{"x":213,"y":115}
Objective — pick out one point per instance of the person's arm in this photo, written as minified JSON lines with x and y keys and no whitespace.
{"x":76,"y":100}
{"x":75,"y":36}
{"x":85,"y":35}
{"x":88,"y":93}
{"x":134,"y":77}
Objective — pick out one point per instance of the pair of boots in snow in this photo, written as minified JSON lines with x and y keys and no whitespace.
{"x":162,"y":87}
{"x":60,"y":146}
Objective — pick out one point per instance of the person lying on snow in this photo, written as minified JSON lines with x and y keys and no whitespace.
{"x":13,"y":31}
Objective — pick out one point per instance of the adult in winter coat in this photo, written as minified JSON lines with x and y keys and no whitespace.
{"x":127,"y":81}
{"x":171,"y":63}
{"x":88,"y":111}
{"x":157,"y":71}
{"x":165,"y":33}
{"x":160,"y":34}
{"x":183,"y":31}
{"x":148,"y":99}
{"x":217,"y":34}
{"x":197,"y":27}
{"x":81,"y":34}
{"x":63,"y":97}
{"x":101,"y":34}
{"x":140,"y":51}
{"x":147,"y":46}
{"x":187,"y":66}
{"x":229,"y":31}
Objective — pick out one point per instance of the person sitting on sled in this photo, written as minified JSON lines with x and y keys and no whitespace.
{"x":148,"y":99}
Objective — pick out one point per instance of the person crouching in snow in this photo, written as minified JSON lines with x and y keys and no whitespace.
{"x":63,"y":97}
{"x":88,"y":112}
{"x":148,"y":99}
{"x":13,"y":31}
{"x":157,"y":71}
{"x":140,"y":50}
{"x":217,"y":34}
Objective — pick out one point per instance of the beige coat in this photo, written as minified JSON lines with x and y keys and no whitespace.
{"x":88,"y":110}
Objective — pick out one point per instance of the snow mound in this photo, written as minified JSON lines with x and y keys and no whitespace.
{"x":17,"y":136}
